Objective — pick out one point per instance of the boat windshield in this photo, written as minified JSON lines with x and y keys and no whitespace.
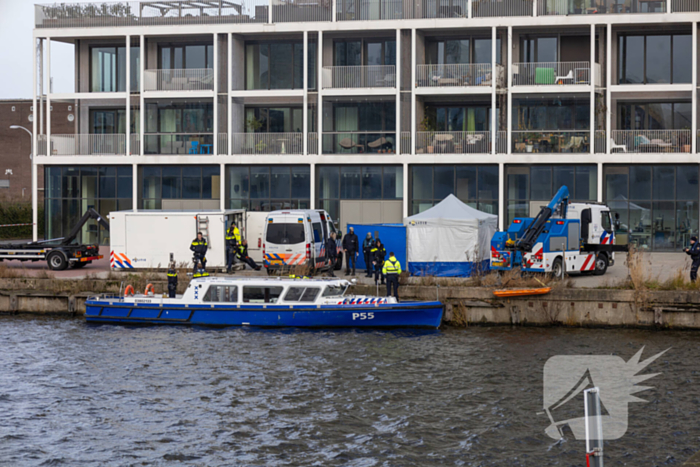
{"x":335,"y":291}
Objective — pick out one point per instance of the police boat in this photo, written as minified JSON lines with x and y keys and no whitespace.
{"x":275,"y":302}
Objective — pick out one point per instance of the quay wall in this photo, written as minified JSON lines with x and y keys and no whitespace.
{"x":464,"y":306}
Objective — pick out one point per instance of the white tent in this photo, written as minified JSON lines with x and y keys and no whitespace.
{"x":449,"y":239}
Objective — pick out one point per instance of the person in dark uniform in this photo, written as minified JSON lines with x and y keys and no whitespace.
{"x":331,"y":254}
{"x":243,"y":256}
{"x":200,"y":271}
{"x":199,"y":247}
{"x":379,"y":253}
{"x":233,"y":241}
{"x":351,"y":248}
{"x":172,"y":281}
{"x":392,"y":271}
{"x":694,"y":253}
{"x":367,"y":246}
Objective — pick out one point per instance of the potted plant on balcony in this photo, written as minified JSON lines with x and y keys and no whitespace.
{"x":254,"y":124}
{"x":427,"y":125}
{"x":530,"y":139}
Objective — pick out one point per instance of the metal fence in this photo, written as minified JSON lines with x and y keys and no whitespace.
{"x":312,"y":143}
{"x":267,"y":143}
{"x":188,"y":79}
{"x":551,"y":73}
{"x":453,"y":142}
{"x":406,"y":142}
{"x":685,"y":6}
{"x":364,"y":10}
{"x":222,"y":144}
{"x":639,"y":141}
{"x":178,"y":143}
{"x":132,"y":13}
{"x":442,"y":9}
{"x":599,"y":146}
{"x":134,"y":144}
{"x":462,"y":74}
{"x":496,"y":8}
{"x":501,"y":142}
{"x":308,"y":10}
{"x":86,"y":144}
{"x":370,"y":76}
{"x":550,"y":141}
{"x":359,"y":142}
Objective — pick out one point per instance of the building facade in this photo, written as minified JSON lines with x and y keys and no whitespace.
{"x":376,"y":109}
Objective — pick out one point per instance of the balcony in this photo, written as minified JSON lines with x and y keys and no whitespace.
{"x":655,"y":141}
{"x":190,"y":79}
{"x":359,"y":142}
{"x":179,"y":143}
{"x":369,"y":76}
{"x":498,"y":8}
{"x":453,"y":142}
{"x":88,"y":145}
{"x":267,"y":143}
{"x":546,"y":141}
{"x":463,"y":74}
{"x":555,"y":73}
{"x":592,"y":7}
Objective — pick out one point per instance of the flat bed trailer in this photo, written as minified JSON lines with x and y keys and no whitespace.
{"x":59,"y":253}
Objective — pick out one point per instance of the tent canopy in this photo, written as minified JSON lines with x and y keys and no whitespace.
{"x":450,"y":209}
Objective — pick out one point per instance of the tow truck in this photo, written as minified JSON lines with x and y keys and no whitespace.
{"x":59,"y":253}
{"x":563,"y":237}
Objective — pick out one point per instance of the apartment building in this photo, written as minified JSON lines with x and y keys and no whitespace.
{"x":375,"y":109}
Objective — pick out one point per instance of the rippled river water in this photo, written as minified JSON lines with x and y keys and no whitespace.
{"x":78,"y":394}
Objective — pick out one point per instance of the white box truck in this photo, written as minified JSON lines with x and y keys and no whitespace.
{"x":149,"y":239}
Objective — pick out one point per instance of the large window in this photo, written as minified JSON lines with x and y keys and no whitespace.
{"x":70,"y":191}
{"x":371,"y":182}
{"x":274,"y":119}
{"x":539,"y":49}
{"x":458,"y":117}
{"x":113,"y":121}
{"x":653,"y":206}
{"x":178,"y":57}
{"x":528,"y":188}
{"x":551,"y":114}
{"x":475,"y":185}
{"x":267,"y":188}
{"x":108,"y":69}
{"x":654,"y":116}
{"x":650,"y":59}
{"x":459,"y":51}
{"x":365,"y":52}
{"x":278,"y":65}
{"x":179,"y":127}
{"x":164,"y":187}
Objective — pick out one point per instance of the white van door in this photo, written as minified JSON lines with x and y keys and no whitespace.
{"x":317,"y":247}
{"x":285,"y":240}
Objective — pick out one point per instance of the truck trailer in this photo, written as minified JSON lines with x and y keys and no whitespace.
{"x":571,"y":237}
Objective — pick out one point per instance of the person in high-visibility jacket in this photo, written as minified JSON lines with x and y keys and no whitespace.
{"x":233,"y":242}
{"x":392,"y":270}
{"x":200,"y":272}
{"x":172,"y":281}
{"x":199,"y":248}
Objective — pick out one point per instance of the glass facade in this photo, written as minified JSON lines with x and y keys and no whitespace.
{"x":372,"y":182}
{"x":530,"y":187}
{"x":267,"y":188}
{"x":179,"y":126}
{"x":70,"y":191}
{"x":552,"y":114}
{"x":166,"y":187}
{"x":191,"y":56}
{"x":278,"y":65}
{"x":351,"y":126}
{"x":359,"y":52}
{"x":539,"y":49}
{"x":475,"y":185}
{"x":112,"y":121}
{"x":459,"y":117}
{"x":654,"y":115}
{"x":274,"y":119}
{"x":460,"y":51}
{"x":654,"y":206}
{"x":108,"y":69}
{"x":652,"y":59}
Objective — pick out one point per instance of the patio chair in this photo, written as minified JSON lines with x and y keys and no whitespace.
{"x":614,"y":146}
{"x":569,"y":77}
{"x":194,"y":148}
{"x":574,"y":143}
{"x":348,"y":143}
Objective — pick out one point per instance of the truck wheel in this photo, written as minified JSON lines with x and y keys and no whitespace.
{"x":601,"y":264}
{"x":57,"y":261}
{"x":557,"y":268}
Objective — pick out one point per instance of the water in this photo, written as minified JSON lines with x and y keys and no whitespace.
{"x":72,"y":393}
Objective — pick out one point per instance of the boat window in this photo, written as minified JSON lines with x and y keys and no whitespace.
{"x":285,"y":234}
{"x":261,"y":294}
{"x":334,"y":291}
{"x":221,"y":293}
{"x":302,"y":294}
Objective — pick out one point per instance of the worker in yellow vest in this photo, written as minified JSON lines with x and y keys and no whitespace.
{"x":392,"y":270}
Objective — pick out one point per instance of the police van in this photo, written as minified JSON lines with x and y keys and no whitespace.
{"x":297,"y":238}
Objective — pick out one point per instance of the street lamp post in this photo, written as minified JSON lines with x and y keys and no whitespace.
{"x":35,"y":214}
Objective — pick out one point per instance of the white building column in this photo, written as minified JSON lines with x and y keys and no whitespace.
{"x":608,"y":83}
{"x":397,"y":80}
{"x":599,"y":196}
{"x":128,"y":95}
{"x":142,"y":102}
{"x":405,"y":189}
{"x":216,"y":97}
{"x":591,"y":76}
{"x":229,"y":103}
{"x":494,"y":77}
{"x":305,"y":109}
{"x":509,"y":71}
{"x":135,"y":187}
{"x":413,"y":91}
{"x":694,"y":100}
{"x":501,"y":195}
{"x":222,"y":186}
{"x":35,"y":191}
{"x":319,"y":85}
{"x":48,"y":97}
{"x":312,"y":186}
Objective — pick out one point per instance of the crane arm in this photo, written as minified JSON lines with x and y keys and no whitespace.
{"x":89,"y":214}
{"x":559,"y":202}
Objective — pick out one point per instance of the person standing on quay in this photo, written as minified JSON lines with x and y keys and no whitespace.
{"x":392,"y":271}
{"x":379,"y":253}
{"x":367,"y":246}
{"x":332,"y":254}
{"x":694,"y":253}
{"x":350,"y":247}
{"x":172,"y":281}
{"x":199,"y":247}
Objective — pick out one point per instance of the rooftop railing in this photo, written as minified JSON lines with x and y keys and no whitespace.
{"x":597,"y":7}
{"x":190,"y":79}
{"x":371,"y":76}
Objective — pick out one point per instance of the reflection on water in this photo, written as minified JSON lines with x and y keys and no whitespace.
{"x":113,"y":395}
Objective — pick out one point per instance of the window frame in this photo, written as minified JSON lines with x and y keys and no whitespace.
{"x":622,"y":54}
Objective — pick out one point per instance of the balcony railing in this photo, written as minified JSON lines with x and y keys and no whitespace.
{"x":267,"y":143}
{"x":222,"y":144}
{"x":189,"y":79}
{"x":285,"y":11}
{"x":599,"y":147}
{"x":453,"y":142}
{"x":555,"y":73}
{"x":370,"y":76}
{"x":462,"y":74}
{"x":363,"y":10}
{"x":501,"y":142}
{"x":591,"y":7}
{"x":638,"y":141}
{"x":406,"y":142}
{"x":550,"y":141}
{"x":134,"y":143}
{"x":84,"y":145}
{"x":358,"y":142}
{"x":179,"y":143}
{"x":496,"y":8}
{"x":685,"y":6}
{"x":312,"y":144}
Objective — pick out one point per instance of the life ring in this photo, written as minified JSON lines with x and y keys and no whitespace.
{"x":127,"y":290}
{"x":149,"y":287}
